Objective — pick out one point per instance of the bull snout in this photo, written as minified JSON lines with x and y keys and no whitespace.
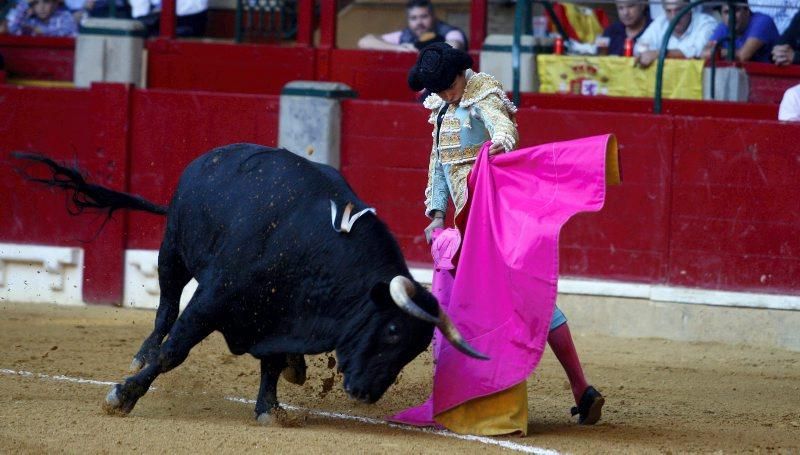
{"x":359,"y":394}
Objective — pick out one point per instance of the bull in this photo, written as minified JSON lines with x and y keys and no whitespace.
{"x":253,"y":226}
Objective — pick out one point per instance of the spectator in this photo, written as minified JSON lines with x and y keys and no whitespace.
{"x":41,"y":18}
{"x":633,"y":20}
{"x":688,"y":39}
{"x":787,"y":51}
{"x":191,"y":21}
{"x":755,"y":34}
{"x":781,"y":11}
{"x":790,"y":105}
{"x":423,"y":29}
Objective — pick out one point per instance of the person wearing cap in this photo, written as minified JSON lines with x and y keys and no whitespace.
{"x":41,"y":18}
{"x":468,"y":109}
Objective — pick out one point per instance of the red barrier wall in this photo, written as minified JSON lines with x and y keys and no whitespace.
{"x":170,"y":128}
{"x":768,"y":82}
{"x":130,"y":140}
{"x":735,"y":211}
{"x":77,"y":126}
{"x":373,"y":74}
{"x":705,"y":202}
{"x":226,"y":67}
{"x":38,"y":57}
{"x":699,"y":206}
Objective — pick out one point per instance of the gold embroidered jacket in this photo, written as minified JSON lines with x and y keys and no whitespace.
{"x":484,"y":113}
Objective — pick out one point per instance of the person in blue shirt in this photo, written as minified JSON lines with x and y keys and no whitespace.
{"x":41,"y":18}
{"x":633,"y":20}
{"x":756,"y":33}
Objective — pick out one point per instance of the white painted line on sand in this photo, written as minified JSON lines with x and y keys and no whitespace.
{"x":326,"y":414}
{"x":368,"y":420}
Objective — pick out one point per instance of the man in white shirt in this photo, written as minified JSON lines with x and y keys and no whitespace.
{"x":781,"y":11}
{"x":191,"y":20}
{"x":688,"y":39}
{"x":790,"y":105}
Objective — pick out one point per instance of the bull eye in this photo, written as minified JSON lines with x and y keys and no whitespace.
{"x":391,"y":333}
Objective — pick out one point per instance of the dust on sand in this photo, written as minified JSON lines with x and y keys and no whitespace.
{"x":662,"y":396}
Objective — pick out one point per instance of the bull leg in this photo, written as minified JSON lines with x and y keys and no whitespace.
{"x":172,"y":278}
{"x":191,"y":328}
{"x":267,"y":399}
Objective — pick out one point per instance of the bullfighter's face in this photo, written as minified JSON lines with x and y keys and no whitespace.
{"x":453,"y":94}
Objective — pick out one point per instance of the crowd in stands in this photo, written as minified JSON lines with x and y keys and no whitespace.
{"x":762,"y":33}
{"x":766,"y":31}
{"x":62,"y":17}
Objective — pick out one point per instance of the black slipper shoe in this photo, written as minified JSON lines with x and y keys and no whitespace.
{"x":590,"y":408}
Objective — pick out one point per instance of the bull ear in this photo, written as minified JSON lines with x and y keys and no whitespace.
{"x":380,"y":296}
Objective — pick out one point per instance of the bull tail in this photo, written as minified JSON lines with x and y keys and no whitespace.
{"x":84,"y":194}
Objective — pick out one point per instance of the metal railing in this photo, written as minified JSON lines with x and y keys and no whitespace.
{"x":266,"y":20}
{"x":662,"y":54}
{"x":522,"y":24}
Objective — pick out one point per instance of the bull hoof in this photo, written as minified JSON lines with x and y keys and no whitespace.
{"x":265,"y":418}
{"x":115,"y":405}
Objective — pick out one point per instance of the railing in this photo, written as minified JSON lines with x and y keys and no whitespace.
{"x":266,"y":20}
{"x":522,"y":24}
{"x":522,"y":21}
{"x":662,"y":55}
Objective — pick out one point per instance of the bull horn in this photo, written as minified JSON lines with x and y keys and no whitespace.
{"x":402,"y":289}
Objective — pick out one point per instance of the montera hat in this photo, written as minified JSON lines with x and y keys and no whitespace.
{"x":437,"y":67}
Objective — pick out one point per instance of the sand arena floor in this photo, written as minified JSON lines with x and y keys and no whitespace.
{"x":662,"y":397}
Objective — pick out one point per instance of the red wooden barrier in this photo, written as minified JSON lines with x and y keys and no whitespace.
{"x":704,"y":203}
{"x":77,"y":126}
{"x":137,"y":141}
{"x":768,"y":82}
{"x":735,"y":215}
{"x":697,"y":206}
{"x":38,"y":57}
{"x":226,"y":67}
{"x":373,"y":74}
{"x":171,"y":128}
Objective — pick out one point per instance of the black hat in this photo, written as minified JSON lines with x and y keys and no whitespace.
{"x":437,"y":67}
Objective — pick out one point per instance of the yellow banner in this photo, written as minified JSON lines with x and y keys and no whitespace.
{"x":616,"y":76}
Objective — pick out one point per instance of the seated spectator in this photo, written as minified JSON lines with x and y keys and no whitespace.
{"x":191,"y":21}
{"x":787,"y":51}
{"x":41,"y":18}
{"x":755,"y":34}
{"x":790,"y":105}
{"x":633,"y":20}
{"x":781,"y":11}
{"x":689,"y":37}
{"x":423,"y":29}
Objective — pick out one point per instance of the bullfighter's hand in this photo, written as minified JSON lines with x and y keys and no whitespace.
{"x":437,"y":223}
{"x":496,"y":148}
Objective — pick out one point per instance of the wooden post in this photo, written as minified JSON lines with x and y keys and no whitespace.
{"x":478,"y":18}
{"x":167,"y":22}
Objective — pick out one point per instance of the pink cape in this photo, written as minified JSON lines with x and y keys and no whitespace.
{"x":504,"y":292}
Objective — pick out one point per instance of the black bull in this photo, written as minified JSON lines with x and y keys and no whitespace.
{"x":253,"y":226}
